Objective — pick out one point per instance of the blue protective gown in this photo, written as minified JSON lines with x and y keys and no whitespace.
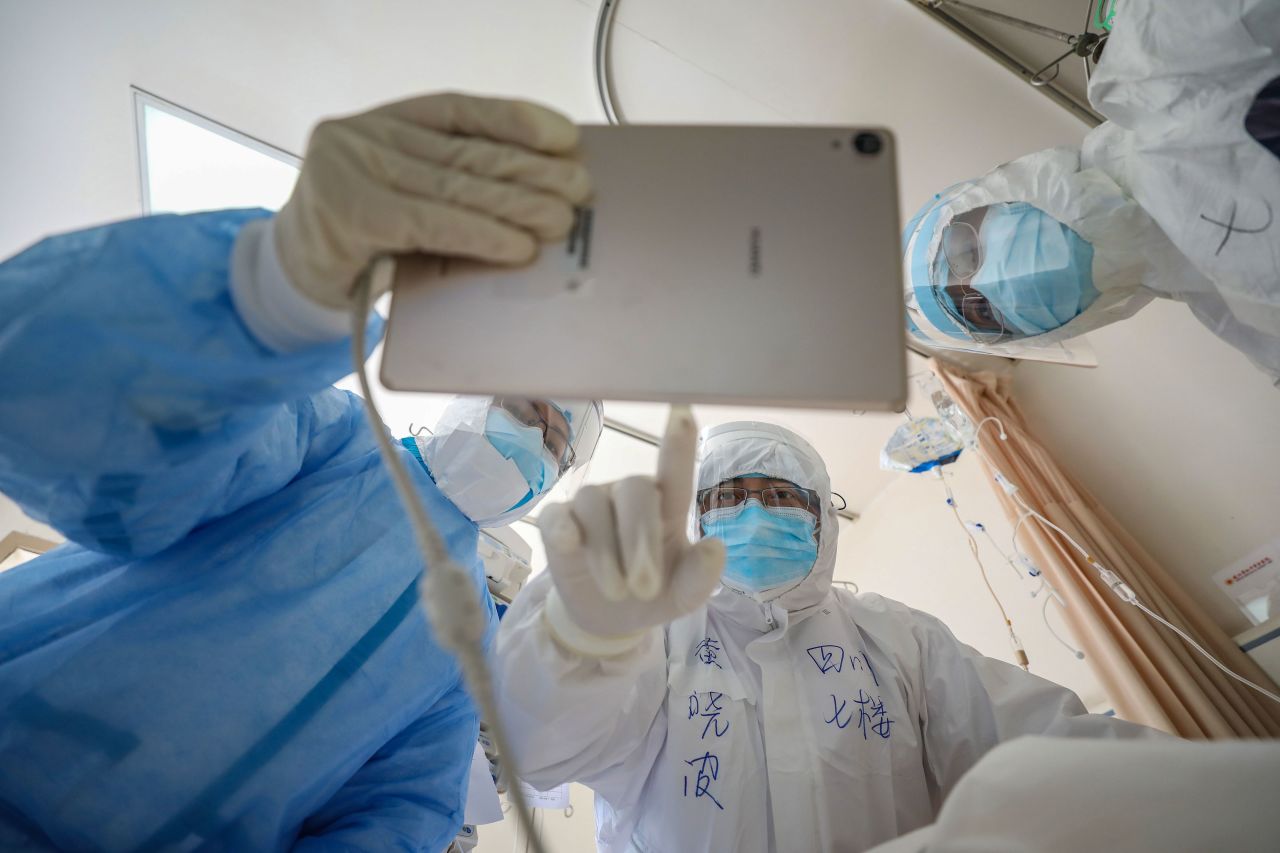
{"x":229,"y":652}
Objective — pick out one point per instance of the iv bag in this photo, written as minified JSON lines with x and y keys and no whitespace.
{"x":921,"y":444}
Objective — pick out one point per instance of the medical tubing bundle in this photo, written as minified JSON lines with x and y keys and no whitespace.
{"x":1110,"y":578}
{"x":1009,"y":560}
{"x":453,"y":605}
{"x":1044,"y":585}
{"x":1019,"y":652}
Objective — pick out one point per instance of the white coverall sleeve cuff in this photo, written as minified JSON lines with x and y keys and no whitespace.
{"x":567,"y":633}
{"x":276,"y":312}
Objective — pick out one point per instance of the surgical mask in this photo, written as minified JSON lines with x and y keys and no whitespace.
{"x":766,"y":548}
{"x":1036,"y":272}
{"x":493,"y":476}
{"x":523,"y":445}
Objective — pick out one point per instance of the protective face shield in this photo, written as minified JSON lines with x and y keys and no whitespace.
{"x":496,"y":458}
{"x":1029,"y":256}
{"x":765,"y":492}
{"x":1004,"y":272}
{"x":524,"y":445}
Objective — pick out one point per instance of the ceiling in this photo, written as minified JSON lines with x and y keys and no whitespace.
{"x":955,"y":112}
{"x":1032,"y":50}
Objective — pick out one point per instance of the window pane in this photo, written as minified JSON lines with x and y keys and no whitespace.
{"x":190,"y":167}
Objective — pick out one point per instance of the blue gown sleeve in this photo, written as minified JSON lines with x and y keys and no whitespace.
{"x":134,"y":403}
{"x":410,"y":795}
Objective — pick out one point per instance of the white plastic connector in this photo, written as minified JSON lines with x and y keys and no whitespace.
{"x":1118,"y":586}
{"x":1009,"y":488}
{"x":1031,"y":567}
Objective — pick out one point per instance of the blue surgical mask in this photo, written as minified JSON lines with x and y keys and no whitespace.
{"x":1036,"y":272}
{"x":522,"y":445}
{"x":766,"y":548}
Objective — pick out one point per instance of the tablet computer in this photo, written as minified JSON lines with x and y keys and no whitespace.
{"x":738,"y":265}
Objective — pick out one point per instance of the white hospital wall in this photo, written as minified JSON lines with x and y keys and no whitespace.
{"x":909,"y":547}
{"x":1175,"y":433}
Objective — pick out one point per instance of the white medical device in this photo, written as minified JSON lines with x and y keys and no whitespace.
{"x":748,"y":265}
{"x":507,"y":561}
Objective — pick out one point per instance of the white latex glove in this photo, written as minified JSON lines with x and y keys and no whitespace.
{"x":440,"y":174}
{"x":620,"y":554}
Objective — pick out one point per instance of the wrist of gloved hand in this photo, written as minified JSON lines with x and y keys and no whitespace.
{"x":575,"y":638}
{"x":280,"y":316}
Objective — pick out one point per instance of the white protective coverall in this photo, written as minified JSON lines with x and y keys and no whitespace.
{"x":1177,"y":83}
{"x":819,"y":720}
{"x":1177,"y":198}
{"x":1170,"y":795}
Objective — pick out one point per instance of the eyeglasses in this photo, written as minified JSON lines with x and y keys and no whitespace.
{"x":776,"y":497}
{"x":962,"y":247}
{"x":971,"y":307}
{"x":539,"y":414}
{"x":962,"y":250}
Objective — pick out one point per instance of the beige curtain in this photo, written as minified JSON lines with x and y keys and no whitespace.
{"x":1150,"y":674}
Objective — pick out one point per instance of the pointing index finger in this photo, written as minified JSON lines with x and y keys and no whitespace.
{"x":676,"y":459}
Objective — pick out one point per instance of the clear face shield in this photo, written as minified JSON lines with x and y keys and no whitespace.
{"x":570,"y":433}
{"x":497,"y":458}
{"x":951,"y":276}
{"x":552,"y":421}
{"x":993,"y":278}
{"x":573,"y":449}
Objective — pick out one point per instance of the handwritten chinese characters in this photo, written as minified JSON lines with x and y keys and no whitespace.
{"x":708,"y":710}
{"x":708,"y":651}
{"x":872,"y":718}
{"x":707,"y":771}
{"x":708,"y":706}
{"x":832,"y":658}
{"x":709,"y":716}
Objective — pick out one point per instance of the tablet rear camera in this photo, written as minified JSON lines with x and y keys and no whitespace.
{"x":867,"y":143}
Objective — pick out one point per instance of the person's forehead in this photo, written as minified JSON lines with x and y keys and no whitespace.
{"x":755,"y":482}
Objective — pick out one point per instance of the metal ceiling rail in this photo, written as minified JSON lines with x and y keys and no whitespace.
{"x":1080,"y":109}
